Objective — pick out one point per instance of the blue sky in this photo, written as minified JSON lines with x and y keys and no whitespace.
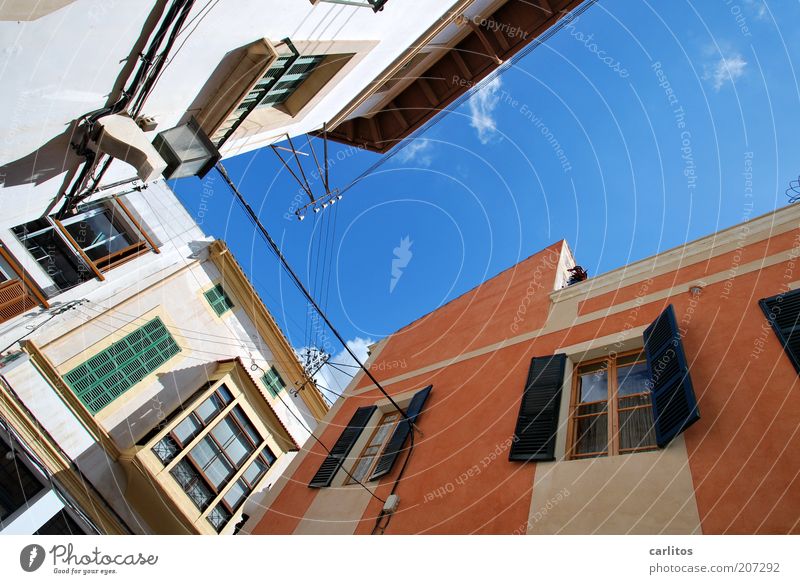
{"x":637,"y":127}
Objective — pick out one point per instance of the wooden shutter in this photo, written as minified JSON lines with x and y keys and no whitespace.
{"x":783,"y":313}
{"x":115,"y":370}
{"x":674,"y":402}
{"x":342,"y":448}
{"x":401,"y":432}
{"x":537,"y":423}
{"x":14,"y":300}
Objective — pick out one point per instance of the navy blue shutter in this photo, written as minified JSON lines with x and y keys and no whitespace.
{"x":401,"y":432}
{"x":342,"y":448}
{"x":674,"y":402}
{"x":537,"y":423}
{"x":783,"y":313}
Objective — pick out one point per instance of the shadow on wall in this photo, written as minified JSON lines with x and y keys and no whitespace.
{"x":178,"y":387}
{"x":50,"y":160}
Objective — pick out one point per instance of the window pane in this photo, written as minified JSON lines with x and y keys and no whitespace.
{"x":360,"y":471}
{"x":632,"y":379}
{"x":218,"y":517}
{"x":187,"y":429}
{"x":248,"y":427}
{"x":594,"y":383}
{"x":225,"y":393}
{"x":268,"y":455}
{"x":236,"y":494}
{"x":193,"y":484}
{"x":212,"y":462}
{"x":255,"y":471}
{"x":636,"y":422}
{"x":232,"y":441}
{"x":52,"y":254}
{"x":97,"y":234}
{"x":208,"y":409}
{"x":591,"y":434}
{"x":165,"y":449}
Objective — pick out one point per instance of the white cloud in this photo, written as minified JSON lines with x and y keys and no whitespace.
{"x":418,"y":152}
{"x":337,"y":379}
{"x":728,"y":68}
{"x":482,"y":104}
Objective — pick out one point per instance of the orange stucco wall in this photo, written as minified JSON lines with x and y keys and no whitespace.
{"x":741,"y":456}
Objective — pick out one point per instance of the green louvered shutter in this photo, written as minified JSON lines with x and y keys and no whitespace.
{"x":219,"y":300}
{"x":341,"y":449}
{"x":274,"y":382}
{"x":783,"y":313}
{"x":115,"y":370}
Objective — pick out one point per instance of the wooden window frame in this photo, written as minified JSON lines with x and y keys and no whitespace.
{"x":138,"y":248}
{"x":612,"y":411}
{"x":377,"y":456}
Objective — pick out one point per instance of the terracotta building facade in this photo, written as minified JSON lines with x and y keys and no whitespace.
{"x":660,"y":397}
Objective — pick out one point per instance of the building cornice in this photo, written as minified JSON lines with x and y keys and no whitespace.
{"x":233,"y":275}
{"x":757,"y":229}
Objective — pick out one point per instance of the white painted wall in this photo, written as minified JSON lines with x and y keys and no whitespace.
{"x":55,"y":69}
{"x":170,"y":284}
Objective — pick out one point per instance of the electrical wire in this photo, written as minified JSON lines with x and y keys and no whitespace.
{"x":293,"y":277}
{"x":302,"y":423}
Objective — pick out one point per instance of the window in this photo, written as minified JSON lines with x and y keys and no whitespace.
{"x":212,"y":452}
{"x":76,"y":249}
{"x":18,"y":484}
{"x":115,"y":370}
{"x":53,"y":253}
{"x":611,"y":410}
{"x":219,"y":300}
{"x":383,"y":447}
{"x":276,"y":86}
{"x":100,"y":234}
{"x":285,"y":82}
{"x":274,"y":382}
{"x":372,"y":451}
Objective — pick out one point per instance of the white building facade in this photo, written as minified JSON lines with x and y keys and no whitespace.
{"x":156,"y":378}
